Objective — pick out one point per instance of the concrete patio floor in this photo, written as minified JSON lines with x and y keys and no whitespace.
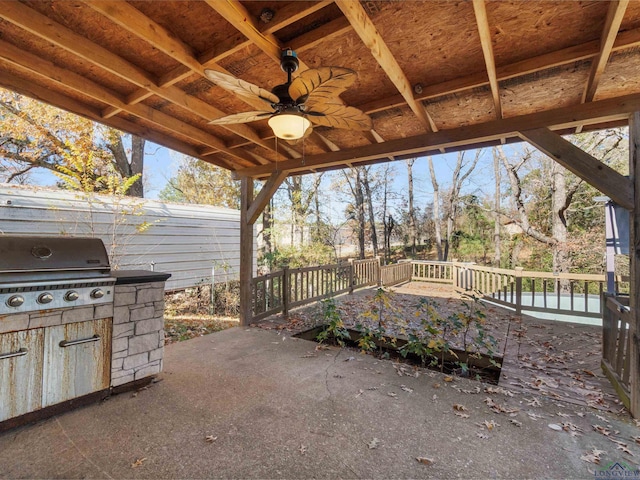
{"x":275,"y":407}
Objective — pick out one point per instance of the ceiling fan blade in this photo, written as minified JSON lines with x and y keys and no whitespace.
{"x":236,"y":85}
{"x":339,"y":116}
{"x":244,"y":117}
{"x":320,"y":84}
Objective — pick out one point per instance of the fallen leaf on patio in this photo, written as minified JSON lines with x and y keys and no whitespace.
{"x":459,"y":408}
{"x":515,"y":422}
{"x":309,"y":355}
{"x":565,"y":415}
{"x":436,"y":385}
{"x":210,"y":438}
{"x":534,"y":416}
{"x":391,"y":394}
{"x":490,"y":425}
{"x":302,"y":449}
{"x":373,"y":443}
{"x":360,"y":392}
{"x":555,"y":426}
{"x":534,"y":402}
{"x":138,"y":462}
{"x":602,"y":430}
{"x":435,"y":399}
{"x":593,"y":456}
{"x":625,"y":449}
{"x":636,"y":439}
{"x":448,"y":379}
{"x":425,"y":460}
{"x":483,"y":436}
{"x":498,"y":390}
{"x":350,"y":359}
{"x":462,"y":415}
{"x":321,"y":347}
{"x":600,"y":417}
{"x":406,"y":389}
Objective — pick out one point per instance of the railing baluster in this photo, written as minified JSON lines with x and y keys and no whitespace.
{"x":571,"y":294}
{"x":544,"y":292}
{"x":586,"y":296}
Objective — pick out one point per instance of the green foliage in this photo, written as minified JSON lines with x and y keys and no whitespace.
{"x":202,"y":183}
{"x":298,"y":257}
{"x":334,"y":328}
{"x":381,"y":311}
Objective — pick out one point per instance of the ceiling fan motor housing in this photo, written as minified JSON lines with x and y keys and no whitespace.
{"x":289,"y":61}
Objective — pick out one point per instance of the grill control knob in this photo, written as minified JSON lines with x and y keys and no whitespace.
{"x":45,"y":298}
{"x":15,"y":301}
{"x":97,"y":293}
{"x":71,"y":296}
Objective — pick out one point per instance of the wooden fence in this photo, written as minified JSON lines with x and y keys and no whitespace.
{"x":615,"y":344}
{"x":396,"y":273}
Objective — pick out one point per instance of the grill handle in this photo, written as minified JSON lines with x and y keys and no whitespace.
{"x":19,"y":353}
{"x":71,"y":343}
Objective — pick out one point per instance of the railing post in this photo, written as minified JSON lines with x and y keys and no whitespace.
{"x":518,"y":276}
{"x":379,"y":271}
{"x":351,"y":276}
{"x":286,"y":294}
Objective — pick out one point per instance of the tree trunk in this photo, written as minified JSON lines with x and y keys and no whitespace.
{"x":436,"y":209}
{"x":561,"y":258}
{"x":497,"y":253}
{"x":360,"y":213}
{"x":372,"y":218}
{"x":128,"y":168}
{"x":412,"y":213}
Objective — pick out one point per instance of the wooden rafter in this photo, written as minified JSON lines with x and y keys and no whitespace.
{"x":482,"y":20}
{"x":366,"y":30}
{"x":609,"y":33}
{"x":64,"y":102}
{"x":266,"y":192}
{"x":134,"y":21}
{"x":47,"y":70}
{"x":600,"y":112}
{"x":540,"y":63}
{"x":61,"y":36}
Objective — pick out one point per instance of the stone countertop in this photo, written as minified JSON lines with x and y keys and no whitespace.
{"x":124,"y":277}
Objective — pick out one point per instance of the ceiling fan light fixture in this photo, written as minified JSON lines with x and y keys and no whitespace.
{"x":289,"y":126}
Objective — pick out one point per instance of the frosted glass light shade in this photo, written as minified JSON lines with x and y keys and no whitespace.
{"x":289,"y":126}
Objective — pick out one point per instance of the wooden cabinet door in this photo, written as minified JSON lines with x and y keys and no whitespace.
{"x":77,"y":360}
{"x":20,"y":372}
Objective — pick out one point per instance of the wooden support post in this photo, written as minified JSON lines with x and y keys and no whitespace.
{"x":518,"y":276}
{"x":286,"y":291}
{"x":634,"y":258}
{"x":246,"y":251}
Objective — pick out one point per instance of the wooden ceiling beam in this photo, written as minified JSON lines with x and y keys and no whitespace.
{"x":291,"y":13}
{"x":35,"y":65}
{"x":602,"y":111}
{"x":45,"y":28}
{"x":625,"y":40}
{"x":598,"y":174}
{"x":237,"y":15}
{"x":135,"y":22}
{"x":366,"y":30}
{"x":46,"y":95}
{"x":609,"y":33}
{"x":482,"y":21}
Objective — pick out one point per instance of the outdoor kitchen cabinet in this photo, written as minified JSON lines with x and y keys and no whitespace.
{"x":76,"y":360}
{"x":46,"y":366}
{"x":20,"y":372}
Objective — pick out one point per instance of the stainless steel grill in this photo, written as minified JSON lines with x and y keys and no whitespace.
{"x":42,"y":273}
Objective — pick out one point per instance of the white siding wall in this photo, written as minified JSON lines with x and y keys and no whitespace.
{"x":184,"y":240}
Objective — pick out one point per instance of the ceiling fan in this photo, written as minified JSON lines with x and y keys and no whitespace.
{"x":310,"y":98}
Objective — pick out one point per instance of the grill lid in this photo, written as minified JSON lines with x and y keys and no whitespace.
{"x":31,"y":254}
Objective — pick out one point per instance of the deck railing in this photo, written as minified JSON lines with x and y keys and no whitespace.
{"x":523,"y":291}
{"x":615,"y":344}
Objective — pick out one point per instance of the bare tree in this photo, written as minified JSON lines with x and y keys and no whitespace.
{"x":496,"y":214}
{"x":412,"y":213}
{"x":366,"y":183}
{"x":436,"y":210}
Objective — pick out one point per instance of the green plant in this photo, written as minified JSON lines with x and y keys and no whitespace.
{"x":334,"y":326}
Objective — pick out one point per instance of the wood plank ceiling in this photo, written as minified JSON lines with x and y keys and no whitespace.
{"x":434,"y":76}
